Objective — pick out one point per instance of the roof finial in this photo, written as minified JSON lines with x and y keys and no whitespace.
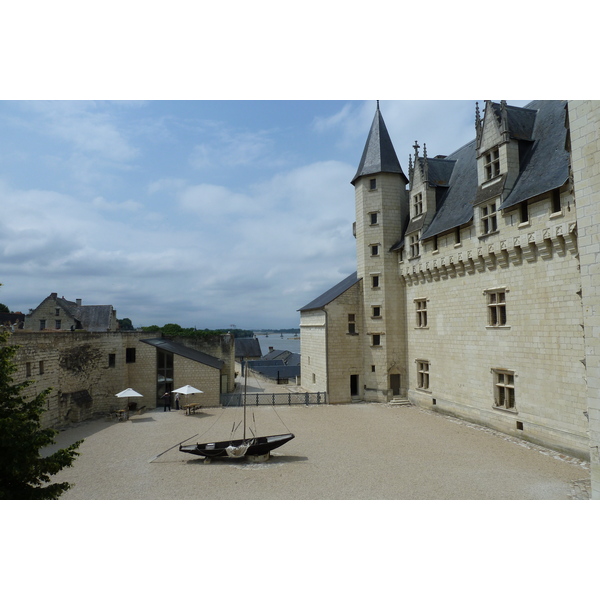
{"x":416,"y":147}
{"x":377,"y":104}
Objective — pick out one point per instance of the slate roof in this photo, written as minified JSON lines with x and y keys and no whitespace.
{"x":276,"y":355}
{"x":181,"y":350}
{"x":273,"y":372}
{"x":332,"y":293}
{"x":378,"y":155}
{"x":247,"y":347}
{"x":455,"y":206}
{"x":544,"y":164}
{"x":93,"y":317}
{"x":265,"y":363}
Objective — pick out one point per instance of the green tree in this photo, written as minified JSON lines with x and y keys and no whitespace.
{"x":4,"y":308}
{"x":24,"y":473}
{"x":125,"y":324}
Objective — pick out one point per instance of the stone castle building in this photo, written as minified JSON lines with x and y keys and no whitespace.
{"x":79,"y":353}
{"x":470,"y":295}
{"x":56,"y":313}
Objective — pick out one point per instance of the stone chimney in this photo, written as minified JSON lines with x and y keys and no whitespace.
{"x":78,"y":301}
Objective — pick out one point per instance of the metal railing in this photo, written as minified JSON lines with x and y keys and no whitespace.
{"x":272,"y":399}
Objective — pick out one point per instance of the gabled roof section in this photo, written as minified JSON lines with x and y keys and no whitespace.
{"x":245,"y":347}
{"x":520,"y":120}
{"x":379,"y":155}
{"x":331,"y":294}
{"x":456,"y":207}
{"x":181,"y":350}
{"x":94,"y":317}
{"x":546,"y":164}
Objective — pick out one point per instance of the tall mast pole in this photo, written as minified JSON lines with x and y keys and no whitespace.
{"x":245,"y":386}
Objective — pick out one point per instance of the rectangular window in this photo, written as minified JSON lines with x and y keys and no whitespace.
{"x":504,"y":389}
{"x":417,"y":205}
{"x":492,"y":164}
{"x":457,"y":236}
{"x":374,"y":218}
{"x":351,"y":324}
{"x":28,"y":369}
{"x":375,"y":281}
{"x":376,"y":312}
{"x":489,"y":218}
{"x":496,"y":303}
{"x":556,"y":206}
{"x":41,"y":365}
{"x":421,"y":306}
{"x":57,"y":324}
{"x":129,"y":355}
{"x":523,"y":212}
{"x":435,"y":243}
{"x":423,"y":374}
{"x":372,"y":184}
{"x":374,"y":249}
{"x":376,"y":339}
{"x":112,"y":360}
{"x":414,"y":245}
{"x":57,"y":312}
{"x":42,"y":324}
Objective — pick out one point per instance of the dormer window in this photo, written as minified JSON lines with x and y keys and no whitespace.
{"x":489,"y":218}
{"x":492,"y":164}
{"x":414,"y":245}
{"x":417,"y":205}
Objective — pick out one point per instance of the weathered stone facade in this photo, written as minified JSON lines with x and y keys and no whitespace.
{"x":472,"y":303}
{"x":59,"y":314}
{"x":584,"y":125}
{"x":85,"y":370}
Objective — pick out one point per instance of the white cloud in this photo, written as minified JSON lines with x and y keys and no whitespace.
{"x":128,"y":205}
{"x":86,"y":128}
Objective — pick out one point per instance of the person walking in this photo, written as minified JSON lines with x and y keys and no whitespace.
{"x":177,"y":401}
{"x":166,"y":398}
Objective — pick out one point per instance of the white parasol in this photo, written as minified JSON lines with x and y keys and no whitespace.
{"x":129,"y":393}
{"x":187,"y":389}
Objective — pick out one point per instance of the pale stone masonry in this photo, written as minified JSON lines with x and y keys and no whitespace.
{"x":84,"y":370}
{"x":584,"y":124}
{"x":471,"y":303}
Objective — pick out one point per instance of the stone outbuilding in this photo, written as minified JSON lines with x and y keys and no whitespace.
{"x":59,"y":314}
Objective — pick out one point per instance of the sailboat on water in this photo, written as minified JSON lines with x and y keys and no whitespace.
{"x":257,"y":447}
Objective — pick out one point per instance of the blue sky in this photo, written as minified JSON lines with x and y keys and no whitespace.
{"x":202,"y":213}
{"x":193,"y":165}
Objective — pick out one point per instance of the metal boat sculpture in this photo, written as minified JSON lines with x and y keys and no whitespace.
{"x":257,"y":448}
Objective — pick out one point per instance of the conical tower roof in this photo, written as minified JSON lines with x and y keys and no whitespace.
{"x":379,"y":155}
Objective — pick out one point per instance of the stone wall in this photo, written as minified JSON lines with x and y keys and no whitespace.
{"x":219,"y":346}
{"x":205,"y":378}
{"x":584,"y":122}
{"x":542,"y":342}
{"x":85,"y":370}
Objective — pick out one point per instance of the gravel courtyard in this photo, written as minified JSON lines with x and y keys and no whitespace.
{"x":343,"y":452}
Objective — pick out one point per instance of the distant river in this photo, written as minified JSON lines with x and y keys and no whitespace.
{"x":277,"y":342}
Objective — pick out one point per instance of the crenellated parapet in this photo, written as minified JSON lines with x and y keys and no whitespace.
{"x":488,"y":256}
